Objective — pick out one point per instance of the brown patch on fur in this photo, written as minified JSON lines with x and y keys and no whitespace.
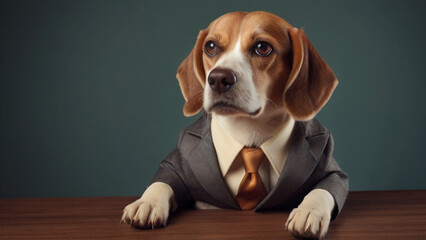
{"x":189,"y":74}
{"x":270,"y":73}
{"x":311,"y":86}
{"x":224,"y":32}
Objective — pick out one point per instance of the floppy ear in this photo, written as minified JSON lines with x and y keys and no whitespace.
{"x":191,"y":78}
{"x":311,"y":81}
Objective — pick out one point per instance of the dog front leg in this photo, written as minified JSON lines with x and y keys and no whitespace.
{"x":312,"y":217}
{"x":152,"y":209}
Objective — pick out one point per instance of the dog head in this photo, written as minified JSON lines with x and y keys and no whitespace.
{"x":249,"y":64}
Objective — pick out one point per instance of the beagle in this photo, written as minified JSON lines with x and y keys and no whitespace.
{"x":254,"y":75}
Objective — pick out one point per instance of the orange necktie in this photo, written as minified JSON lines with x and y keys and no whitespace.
{"x":251,"y":190}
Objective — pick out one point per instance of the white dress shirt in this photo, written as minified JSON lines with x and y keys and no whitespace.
{"x":231,"y":164}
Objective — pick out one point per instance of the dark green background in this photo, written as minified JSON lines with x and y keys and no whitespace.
{"x":90,"y":104}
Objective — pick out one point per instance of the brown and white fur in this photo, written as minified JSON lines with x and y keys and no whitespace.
{"x":292,"y":81}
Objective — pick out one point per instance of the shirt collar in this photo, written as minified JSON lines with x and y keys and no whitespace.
{"x":227,"y":148}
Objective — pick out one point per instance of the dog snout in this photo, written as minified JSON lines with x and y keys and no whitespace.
{"x":221,"y":79}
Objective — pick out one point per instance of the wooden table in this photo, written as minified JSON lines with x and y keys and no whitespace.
{"x":366,"y":215}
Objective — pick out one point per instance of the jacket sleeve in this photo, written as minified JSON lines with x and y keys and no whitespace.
{"x":170,"y":173}
{"x":334,"y":180}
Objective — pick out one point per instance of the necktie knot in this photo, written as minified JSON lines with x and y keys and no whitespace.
{"x":252,"y":158}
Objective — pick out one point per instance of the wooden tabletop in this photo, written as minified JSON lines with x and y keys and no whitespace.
{"x":366,"y":215}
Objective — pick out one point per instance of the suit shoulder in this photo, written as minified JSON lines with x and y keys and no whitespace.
{"x":200,"y":127}
{"x":191,"y":135}
{"x":313,"y":128}
{"x":317,"y":136}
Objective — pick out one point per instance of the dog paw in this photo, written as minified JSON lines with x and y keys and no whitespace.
{"x":308,"y":223}
{"x":152,"y":209}
{"x":312,"y":217}
{"x":146,"y":214}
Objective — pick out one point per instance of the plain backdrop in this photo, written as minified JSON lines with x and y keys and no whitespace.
{"x":89,"y":102}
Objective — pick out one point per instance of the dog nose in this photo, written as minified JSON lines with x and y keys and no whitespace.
{"x":221,"y":79}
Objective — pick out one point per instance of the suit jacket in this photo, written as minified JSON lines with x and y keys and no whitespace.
{"x":193,"y":172}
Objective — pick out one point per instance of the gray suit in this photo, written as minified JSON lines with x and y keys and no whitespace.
{"x":193,"y":172}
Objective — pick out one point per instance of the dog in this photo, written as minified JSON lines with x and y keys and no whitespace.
{"x":260,"y":82}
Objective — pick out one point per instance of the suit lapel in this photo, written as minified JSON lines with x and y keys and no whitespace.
{"x":301,"y":161}
{"x":203,"y":162}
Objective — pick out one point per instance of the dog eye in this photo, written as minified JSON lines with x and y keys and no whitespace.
{"x":263,"y":49}
{"x":211,"y":49}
